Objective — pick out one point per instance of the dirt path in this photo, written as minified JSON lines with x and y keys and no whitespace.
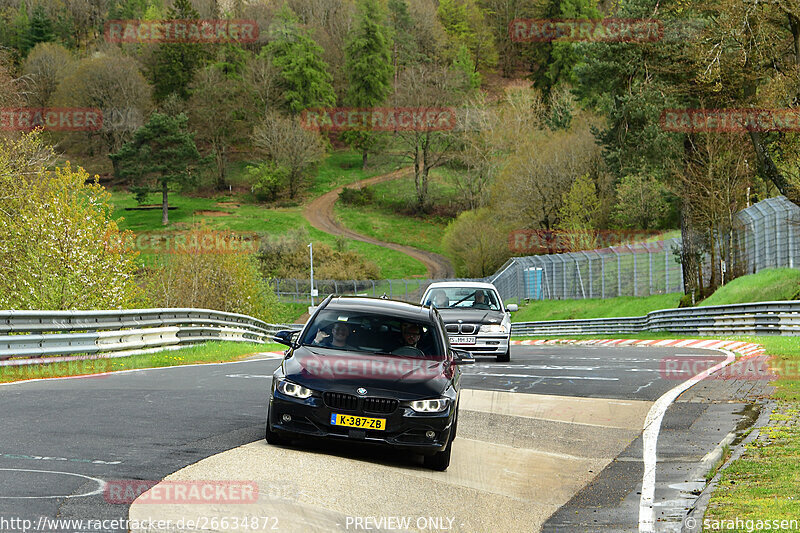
{"x":319,"y":214}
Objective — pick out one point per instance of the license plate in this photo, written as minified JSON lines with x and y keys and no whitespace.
{"x":358,"y":421}
{"x":462,"y":340}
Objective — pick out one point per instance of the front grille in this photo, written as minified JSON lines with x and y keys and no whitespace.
{"x":466,"y":329}
{"x":338,"y":400}
{"x":380,"y":405}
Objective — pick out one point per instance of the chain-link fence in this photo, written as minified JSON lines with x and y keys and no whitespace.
{"x":641,"y":269}
{"x":299,"y":291}
{"x":767,"y":235}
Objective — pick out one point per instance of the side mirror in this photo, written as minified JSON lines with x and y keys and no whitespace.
{"x":512,"y":308}
{"x":462,"y":357}
{"x":285,"y":337}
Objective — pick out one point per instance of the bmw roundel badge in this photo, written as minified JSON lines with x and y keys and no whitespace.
{"x":361,"y":391}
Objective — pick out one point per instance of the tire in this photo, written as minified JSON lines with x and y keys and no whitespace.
{"x":272,"y":437}
{"x":505,"y":357}
{"x":441,"y":460}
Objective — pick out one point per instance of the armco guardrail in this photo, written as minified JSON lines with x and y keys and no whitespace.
{"x":33,"y":334}
{"x":763,"y":318}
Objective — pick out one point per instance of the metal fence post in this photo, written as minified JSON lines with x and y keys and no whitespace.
{"x":666,"y":270}
{"x":619,"y":273}
{"x":650,"y":261}
{"x":602,"y":277}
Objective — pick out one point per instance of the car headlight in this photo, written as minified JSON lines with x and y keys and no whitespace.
{"x":493,"y":328}
{"x":430,"y":406}
{"x":294,"y":390}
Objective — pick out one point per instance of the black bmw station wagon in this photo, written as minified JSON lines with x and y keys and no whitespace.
{"x":371,"y":370}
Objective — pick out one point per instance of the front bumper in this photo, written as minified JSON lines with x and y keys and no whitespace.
{"x":405,"y":429}
{"x":486,"y":344}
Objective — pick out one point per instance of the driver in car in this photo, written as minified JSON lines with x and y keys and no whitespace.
{"x":480,"y":301}
{"x":410,"y":334}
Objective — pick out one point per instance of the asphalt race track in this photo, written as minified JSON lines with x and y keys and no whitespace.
{"x":550,"y":441}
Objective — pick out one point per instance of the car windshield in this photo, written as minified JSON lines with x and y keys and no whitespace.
{"x":373,"y":333}
{"x":463,"y":298}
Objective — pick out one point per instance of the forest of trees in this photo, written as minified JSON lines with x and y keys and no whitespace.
{"x":549,"y":135}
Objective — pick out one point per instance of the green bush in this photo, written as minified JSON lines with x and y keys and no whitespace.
{"x":286,"y":256}
{"x":361,"y":197}
{"x":59,"y":246}
{"x":268,"y":180}
{"x":221,"y":279}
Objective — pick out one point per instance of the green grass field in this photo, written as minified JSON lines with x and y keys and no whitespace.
{"x":382,"y":220}
{"x":773,"y":284}
{"x":238,"y":212}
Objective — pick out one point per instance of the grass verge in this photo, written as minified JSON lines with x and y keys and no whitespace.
{"x":210,"y":352}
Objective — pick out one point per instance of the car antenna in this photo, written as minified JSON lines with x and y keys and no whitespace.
{"x":384,"y":297}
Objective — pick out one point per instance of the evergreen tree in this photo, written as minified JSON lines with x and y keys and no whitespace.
{"x":404,"y":47}
{"x":176,"y":63}
{"x":163,"y":150}
{"x":304,"y":75}
{"x":40,"y":29}
{"x":369,"y":70}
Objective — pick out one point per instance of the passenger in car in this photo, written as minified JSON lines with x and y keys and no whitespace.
{"x":337,"y":339}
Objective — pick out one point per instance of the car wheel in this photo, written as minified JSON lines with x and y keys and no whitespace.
{"x":441,"y":460}
{"x":272,"y":437}
{"x":505,"y":357}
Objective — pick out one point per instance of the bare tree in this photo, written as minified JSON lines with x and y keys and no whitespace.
{"x":46,"y":65}
{"x":287,"y":143}
{"x":713,"y":189}
{"x":113,"y":83}
{"x":532,"y":185}
{"x":218,"y":111}
{"x":431,"y":91}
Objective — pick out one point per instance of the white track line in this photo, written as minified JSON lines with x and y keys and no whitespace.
{"x":101,"y":485}
{"x":652,"y":425}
